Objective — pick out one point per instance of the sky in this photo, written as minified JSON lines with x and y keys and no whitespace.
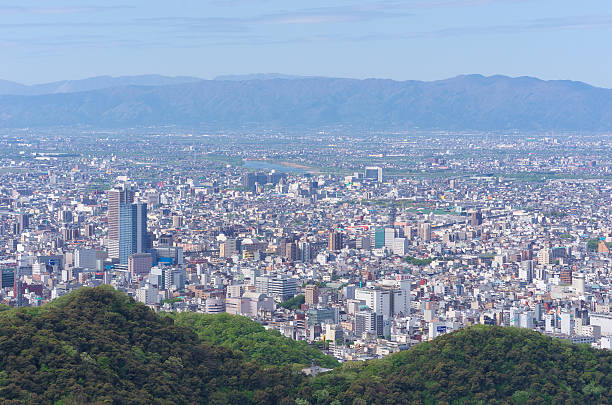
{"x":43,"y":41}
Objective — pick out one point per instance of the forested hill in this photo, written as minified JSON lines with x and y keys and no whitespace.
{"x":265,"y":347}
{"x":97,"y":345}
{"x":477,"y":365}
{"x":473,"y":102}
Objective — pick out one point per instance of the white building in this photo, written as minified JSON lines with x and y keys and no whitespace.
{"x":148,"y":295}
{"x":400,"y":246}
{"x":377,"y":300}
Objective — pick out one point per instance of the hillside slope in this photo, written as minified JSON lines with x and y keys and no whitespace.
{"x":266,"y":348}
{"x":98,"y":346}
{"x":477,"y":365}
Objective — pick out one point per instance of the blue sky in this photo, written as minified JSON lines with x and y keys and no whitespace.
{"x":412,"y":39}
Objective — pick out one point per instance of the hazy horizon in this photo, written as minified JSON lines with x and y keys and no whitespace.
{"x":409,"y":40}
{"x":251,"y":76}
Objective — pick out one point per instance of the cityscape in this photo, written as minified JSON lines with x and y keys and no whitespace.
{"x":363,"y":245}
{"x":332,"y":202}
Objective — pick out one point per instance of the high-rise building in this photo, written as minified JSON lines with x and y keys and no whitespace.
{"x":526,"y":271}
{"x":376,"y":299}
{"x":305,"y":252}
{"x":368,"y":321}
{"x":363,"y":242}
{"x":8,"y":277}
{"x":250,"y":179}
{"x":291,"y":251}
{"x":377,"y":237}
{"x":168,"y":277}
{"x":425,"y":231}
{"x":544,"y":256}
{"x":578,"y":282}
{"x":165,"y":240}
{"x":116,"y":197}
{"x":148,"y":295}
{"x":312,"y":295}
{"x":89,"y":258}
{"x":65,"y":216}
{"x":335,"y":241}
{"x":133,"y":237}
{"x":262,"y":284}
{"x":565,"y":276}
{"x":401,"y":302}
{"x":24,"y":221}
{"x":400,"y":246}
{"x":390,"y":234}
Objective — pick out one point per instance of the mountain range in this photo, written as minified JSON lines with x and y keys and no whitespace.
{"x":92,"y":83}
{"x":462,"y":103}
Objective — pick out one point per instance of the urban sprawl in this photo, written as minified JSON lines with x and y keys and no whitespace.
{"x":363,"y":244}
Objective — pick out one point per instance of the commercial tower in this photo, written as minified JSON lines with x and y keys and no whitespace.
{"x":312,"y":295}
{"x":127,"y":225}
{"x":335,"y":241}
{"x":132,"y":230}
{"x":116,"y":197}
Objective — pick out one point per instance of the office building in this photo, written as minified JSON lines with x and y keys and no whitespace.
{"x":544,"y":257}
{"x":282,"y":288}
{"x":140,"y":264}
{"x":291,"y":251}
{"x":363,"y":242}
{"x":317,"y":316}
{"x":177,"y":221}
{"x":578,"y":282}
{"x":133,"y":237}
{"x":168,"y":278}
{"x":390,"y":234}
{"x":565,"y":276}
{"x":400,"y":246}
{"x":89,"y":258}
{"x":8,"y":277}
{"x":148,"y":295}
{"x":24,"y":221}
{"x":425,"y":231}
{"x":368,"y":321}
{"x":335,"y":241}
{"x":305,"y":252}
{"x":377,"y":237}
{"x":312,"y":295}
{"x":116,"y":197}
{"x":376,"y":299}
{"x":526,"y":271}
{"x":228,"y":248}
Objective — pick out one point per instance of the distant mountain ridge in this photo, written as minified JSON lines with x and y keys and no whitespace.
{"x":471,"y":102}
{"x":91,"y":83}
{"x":260,"y":76}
